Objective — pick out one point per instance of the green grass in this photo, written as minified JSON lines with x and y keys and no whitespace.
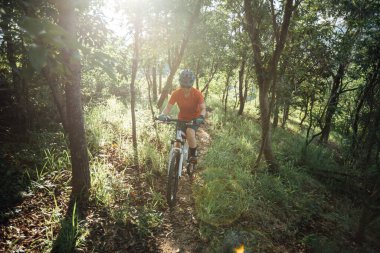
{"x":294,"y":209}
{"x":284,"y":212}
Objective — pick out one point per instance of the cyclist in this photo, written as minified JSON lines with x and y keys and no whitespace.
{"x":191,"y":106}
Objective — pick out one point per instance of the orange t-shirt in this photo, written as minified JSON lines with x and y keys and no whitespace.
{"x":189,"y":107}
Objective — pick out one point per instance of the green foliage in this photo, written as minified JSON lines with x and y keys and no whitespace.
{"x":71,"y":234}
{"x":278,"y":212}
{"x":220,"y":202}
{"x":107,"y":123}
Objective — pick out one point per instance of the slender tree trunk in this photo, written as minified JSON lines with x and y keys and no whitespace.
{"x":75,"y":121}
{"x":226,"y":96}
{"x":154,"y":83}
{"x":241,"y":83}
{"x":265,"y":128}
{"x":236,"y":96}
{"x":132,"y":87}
{"x":306,"y":111}
{"x":307,"y":141}
{"x":214,"y":69}
{"x":178,"y":56}
{"x":363,"y":96}
{"x":160,"y":80}
{"x":266,"y":74}
{"x":58,"y":96}
{"x":228,"y":75}
{"x":332,"y":103}
{"x":197,"y":73}
{"x":285,"y":116}
{"x":276,"y":110}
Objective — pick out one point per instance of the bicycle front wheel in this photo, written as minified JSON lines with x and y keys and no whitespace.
{"x":172,"y":186}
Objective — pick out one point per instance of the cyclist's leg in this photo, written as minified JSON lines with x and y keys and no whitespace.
{"x":190,"y":136}
{"x":192,"y":141}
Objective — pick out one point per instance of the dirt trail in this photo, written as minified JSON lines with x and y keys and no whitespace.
{"x":177,"y":233}
{"x":180,"y":229}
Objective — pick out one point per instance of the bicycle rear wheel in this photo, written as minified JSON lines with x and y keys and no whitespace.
{"x":172,"y":186}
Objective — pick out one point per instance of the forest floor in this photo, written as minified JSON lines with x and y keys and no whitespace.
{"x":33,"y":224}
{"x":178,"y":230}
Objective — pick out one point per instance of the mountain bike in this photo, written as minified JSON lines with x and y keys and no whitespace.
{"x":178,"y":157}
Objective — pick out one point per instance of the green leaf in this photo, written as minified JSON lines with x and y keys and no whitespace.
{"x":105,"y":62}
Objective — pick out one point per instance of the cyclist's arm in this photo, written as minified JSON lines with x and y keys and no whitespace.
{"x":203,"y":109}
{"x":167,"y":109}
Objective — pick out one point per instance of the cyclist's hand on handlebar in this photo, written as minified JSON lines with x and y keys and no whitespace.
{"x":163,"y":117}
{"x":200,"y":120}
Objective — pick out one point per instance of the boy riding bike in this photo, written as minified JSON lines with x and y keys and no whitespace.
{"x":191,"y":106}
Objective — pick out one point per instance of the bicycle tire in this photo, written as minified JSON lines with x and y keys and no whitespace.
{"x":172,"y":184}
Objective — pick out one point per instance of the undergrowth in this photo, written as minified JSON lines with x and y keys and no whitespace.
{"x":294,"y":210}
{"x":297,"y":209}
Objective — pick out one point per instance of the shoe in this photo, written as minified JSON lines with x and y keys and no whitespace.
{"x":193,"y":160}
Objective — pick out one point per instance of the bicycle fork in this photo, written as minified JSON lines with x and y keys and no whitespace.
{"x":183,"y":151}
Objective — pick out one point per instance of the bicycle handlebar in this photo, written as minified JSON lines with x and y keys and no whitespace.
{"x":187,"y":123}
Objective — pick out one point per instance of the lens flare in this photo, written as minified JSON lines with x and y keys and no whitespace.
{"x":239,"y":249}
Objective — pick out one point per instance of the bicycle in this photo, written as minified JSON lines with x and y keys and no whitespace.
{"x":178,"y":154}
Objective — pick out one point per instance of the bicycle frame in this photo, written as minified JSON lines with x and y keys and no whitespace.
{"x":180,"y":145}
{"x":177,"y":155}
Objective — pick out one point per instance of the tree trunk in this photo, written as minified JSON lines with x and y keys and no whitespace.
{"x":266,"y":129}
{"x":178,"y":56}
{"x":306,"y":111}
{"x":241,"y":83}
{"x":160,"y":80}
{"x":285,"y":116}
{"x":276,"y":111}
{"x":197,"y":68}
{"x":58,"y":96}
{"x":132,"y":88}
{"x":154,"y":83}
{"x":77,"y":138}
{"x":226,"y":93}
{"x":266,"y":73}
{"x":214,"y":69}
{"x":332,"y":103}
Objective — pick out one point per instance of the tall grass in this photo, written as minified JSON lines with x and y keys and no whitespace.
{"x":274,"y":212}
{"x":109,"y":130}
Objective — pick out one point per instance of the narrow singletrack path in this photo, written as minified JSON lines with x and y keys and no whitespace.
{"x":180,"y":228}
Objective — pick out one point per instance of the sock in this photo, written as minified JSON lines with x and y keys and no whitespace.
{"x":192,"y":152}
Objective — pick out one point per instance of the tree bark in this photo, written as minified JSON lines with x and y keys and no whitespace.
{"x":332,"y":103}
{"x":76,"y":132}
{"x":306,"y":111}
{"x":241,"y":84}
{"x":285,"y":116}
{"x":154,"y":83}
{"x":197,"y":68}
{"x":225,"y":94}
{"x":214,"y":69}
{"x":266,"y":74}
{"x":159,"y":80}
{"x":58,"y":96}
{"x":132,"y":87}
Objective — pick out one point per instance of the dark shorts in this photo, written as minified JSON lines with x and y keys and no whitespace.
{"x":183,"y":126}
